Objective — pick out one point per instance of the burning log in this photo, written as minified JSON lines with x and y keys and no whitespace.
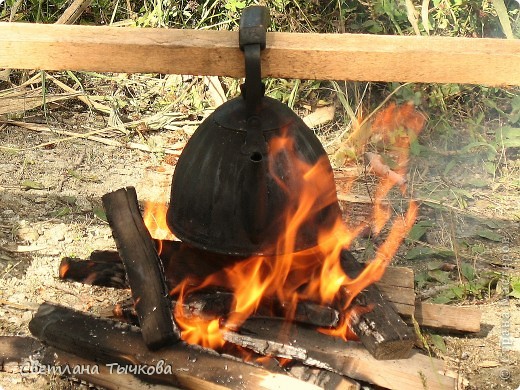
{"x":348,"y":358}
{"x":143,"y":268}
{"x":396,"y":286}
{"x":102,"y":269}
{"x":113,"y":345}
{"x":379,"y":327}
{"x":216,"y":304}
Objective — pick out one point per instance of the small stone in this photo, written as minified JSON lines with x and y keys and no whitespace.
{"x":40,"y":200}
{"x":28,"y":234}
{"x":56,"y":233}
{"x":84,"y":205}
{"x":464,"y":356}
{"x":27,"y":316}
{"x":8,"y":213}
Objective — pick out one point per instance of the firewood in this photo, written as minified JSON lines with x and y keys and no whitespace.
{"x":143,"y":268}
{"x":322,"y":378}
{"x":99,"y":273}
{"x":380,"y":329}
{"x":348,"y":358}
{"x":396,"y":286}
{"x":16,"y":348}
{"x":102,"y":377}
{"x":216,"y":304}
{"x":116,"y":345}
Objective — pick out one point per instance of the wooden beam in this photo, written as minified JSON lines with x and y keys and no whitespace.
{"x":288,"y":55}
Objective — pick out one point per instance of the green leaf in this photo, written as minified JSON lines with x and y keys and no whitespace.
{"x":490,"y":167}
{"x":503,"y":17}
{"x":489,"y":234}
{"x":438,"y":342}
{"x":478,"y":183}
{"x":442,"y":299}
{"x":439,"y":275}
{"x":449,"y":166}
{"x":421,"y":278}
{"x":100,"y":213}
{"x":435,"y":264}
{"x":418,"y":230}
{"x":508,"y":137}
{"x":61,"y":212}
{"x":515,"y":287}
{"x":416,"y":149}
{"x":32,"y":185}
{"x":420,"y":252}
{"x":467,"y":271}
{"x":459,"y":291}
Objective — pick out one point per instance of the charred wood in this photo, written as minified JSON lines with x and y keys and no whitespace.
{"x":270,"y":336}
{"x":143,"y":268}
{"x":105,"y":273}
{"x":396,"y":286}
{"x":214,"y":304}
{"x":376,"y":323}
{"x":191,"y":367}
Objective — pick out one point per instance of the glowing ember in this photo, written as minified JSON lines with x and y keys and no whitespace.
{"x":314,"y":274}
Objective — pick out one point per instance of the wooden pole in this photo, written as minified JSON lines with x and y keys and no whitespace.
{"x":288,"y":55}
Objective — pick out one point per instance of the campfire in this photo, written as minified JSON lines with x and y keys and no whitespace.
{"x":250,"y":262}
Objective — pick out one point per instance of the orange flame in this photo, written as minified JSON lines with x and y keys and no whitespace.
{"x":314,"y":274}
{"x":154,"y":217}
{"x":64,"y":268}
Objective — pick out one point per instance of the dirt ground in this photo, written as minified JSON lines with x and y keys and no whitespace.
{"x":50,"y":199}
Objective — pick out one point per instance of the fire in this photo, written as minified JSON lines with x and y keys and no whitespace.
{"x":314,"y":274}
{"x":155,"y":220}
{"x":64,"y":268}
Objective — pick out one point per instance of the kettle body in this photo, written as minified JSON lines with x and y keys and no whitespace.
{"x":233,"y":200}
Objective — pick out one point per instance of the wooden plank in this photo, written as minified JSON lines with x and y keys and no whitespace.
{"x":463,"y":319}
{"x":398,"y":276}
{"x":397,"y":286}
{"x":348,"y":358}
{"x":288,"y":55}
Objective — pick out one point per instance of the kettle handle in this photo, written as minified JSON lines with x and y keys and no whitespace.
{"x":252,"y":39}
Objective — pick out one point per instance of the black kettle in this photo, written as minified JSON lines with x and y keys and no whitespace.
{"x":231,"y":193}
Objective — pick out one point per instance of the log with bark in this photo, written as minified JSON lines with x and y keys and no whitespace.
{"x":143,"y":268}
{"x":81,"y":338}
